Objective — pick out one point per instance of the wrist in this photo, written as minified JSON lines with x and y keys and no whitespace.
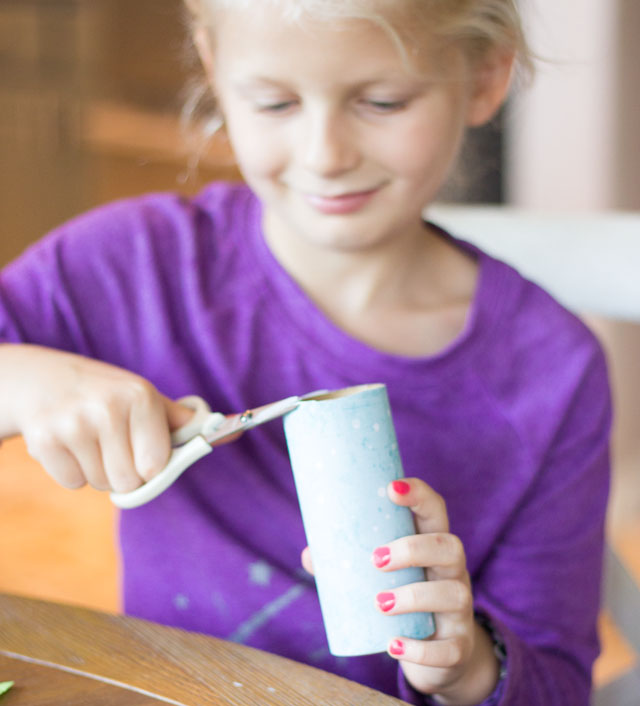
{"x":12,"y":366}
{"x":486,"y":669}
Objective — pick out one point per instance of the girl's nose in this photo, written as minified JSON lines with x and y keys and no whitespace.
{"x":328,"y":146}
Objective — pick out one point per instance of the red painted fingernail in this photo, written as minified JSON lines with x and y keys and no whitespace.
{"x":381,"y":556}
{"x":396,"y":648}
{"x":401,"y":487}
{"x":386,"y":601}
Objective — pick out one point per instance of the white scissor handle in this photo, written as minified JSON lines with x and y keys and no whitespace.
{"x":202,"y":420}
{"x":189,"y":447}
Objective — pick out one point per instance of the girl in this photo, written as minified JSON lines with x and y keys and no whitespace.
{"x":345,"y":118}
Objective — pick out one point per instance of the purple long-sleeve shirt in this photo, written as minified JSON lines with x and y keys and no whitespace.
{"x":509,"y":423}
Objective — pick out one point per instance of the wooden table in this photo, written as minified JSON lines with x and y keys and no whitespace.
{"x":60,"y":654}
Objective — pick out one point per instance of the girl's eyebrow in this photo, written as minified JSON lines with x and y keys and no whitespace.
{"x":256,"y":82}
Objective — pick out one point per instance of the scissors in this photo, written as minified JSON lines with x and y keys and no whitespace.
{"x":197,"y":438}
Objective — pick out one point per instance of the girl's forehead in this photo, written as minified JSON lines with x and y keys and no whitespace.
{"x":397,"y":18}
{"x":254,"y":28}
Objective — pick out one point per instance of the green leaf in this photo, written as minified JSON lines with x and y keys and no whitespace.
{"x":5,"y":686}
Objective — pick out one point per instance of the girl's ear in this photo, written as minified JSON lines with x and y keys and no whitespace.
{"x":490,"y":81}
{"x":203,"y":45}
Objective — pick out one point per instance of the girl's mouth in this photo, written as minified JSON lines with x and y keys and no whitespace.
{"x":343,"y":204}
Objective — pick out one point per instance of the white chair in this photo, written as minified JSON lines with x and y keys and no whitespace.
{"x":591,"y":263}
{"x":588,"y":261}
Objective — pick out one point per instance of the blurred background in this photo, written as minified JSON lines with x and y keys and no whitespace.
{"x":90,"y":94}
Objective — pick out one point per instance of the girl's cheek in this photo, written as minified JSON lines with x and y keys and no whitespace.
{"x":261,"y":170}
{"x":253,"y":161}
{"x":255,"y":153}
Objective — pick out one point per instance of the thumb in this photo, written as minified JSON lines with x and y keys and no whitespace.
{"x":305,"y":559}
{"x":177,"y":414}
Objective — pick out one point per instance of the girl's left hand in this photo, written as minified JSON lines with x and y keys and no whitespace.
{"x":456,"y":664}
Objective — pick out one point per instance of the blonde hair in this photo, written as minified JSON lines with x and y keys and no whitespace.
{"x":475,"y":26}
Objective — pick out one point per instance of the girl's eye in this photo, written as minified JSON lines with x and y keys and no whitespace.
{"x":276,"y":107}
{"x":387,"y":106}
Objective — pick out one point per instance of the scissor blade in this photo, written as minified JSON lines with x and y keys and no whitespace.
{"x":236,"y":423}
{"x":260,"y":415}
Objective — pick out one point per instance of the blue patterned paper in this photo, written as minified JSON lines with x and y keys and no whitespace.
{"x":344,"y":453}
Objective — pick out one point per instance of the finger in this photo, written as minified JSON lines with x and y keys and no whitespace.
{"x":149,"y":423}
{"x":78,"y":437}
{"x":305,"y":558}
{"x":89,"y":459}
{"x":117,"y":455}
{"x":444,"y":654}
{"x":453,"y":598}
{"x":442,"y":553}
{"x":57,"y":461}
{"x":429,"y":508}
{"x":177,"y":414}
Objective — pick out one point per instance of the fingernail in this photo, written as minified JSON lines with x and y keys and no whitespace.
{"x":386,"y":601}
{"x":396,"y":648}
{"x":381,"y":556}
{"x":401,"y":487}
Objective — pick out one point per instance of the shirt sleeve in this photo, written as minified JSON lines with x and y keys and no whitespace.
{"x":105,"y":284}
{"x":541,"y":586}
{"x":55,"y":294}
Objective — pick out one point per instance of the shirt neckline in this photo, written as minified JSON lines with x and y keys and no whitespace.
{"x":342,"y":350}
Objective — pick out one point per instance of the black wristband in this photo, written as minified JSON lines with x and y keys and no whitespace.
{"x":499,"y":648}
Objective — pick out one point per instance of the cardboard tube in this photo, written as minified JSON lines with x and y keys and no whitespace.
{"x":344,"y":453}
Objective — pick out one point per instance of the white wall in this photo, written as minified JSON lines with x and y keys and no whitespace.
{"x":561,"y":137}
{"x":573,"y":143}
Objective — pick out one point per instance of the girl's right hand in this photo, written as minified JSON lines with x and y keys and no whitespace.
{"x":86,"y":421}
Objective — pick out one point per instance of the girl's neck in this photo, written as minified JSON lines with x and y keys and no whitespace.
{"x":358,"y":278}
{"x":408,"y":296}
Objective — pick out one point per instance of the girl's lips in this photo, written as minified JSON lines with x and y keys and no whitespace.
{"x":339,"y":205}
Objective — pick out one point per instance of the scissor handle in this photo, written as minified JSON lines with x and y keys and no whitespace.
{"x":201,"y":417}
{"x":181,"y":458}
{"x":189,"y":447}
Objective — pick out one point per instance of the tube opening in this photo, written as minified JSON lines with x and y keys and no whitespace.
{"x":344,"y":392}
